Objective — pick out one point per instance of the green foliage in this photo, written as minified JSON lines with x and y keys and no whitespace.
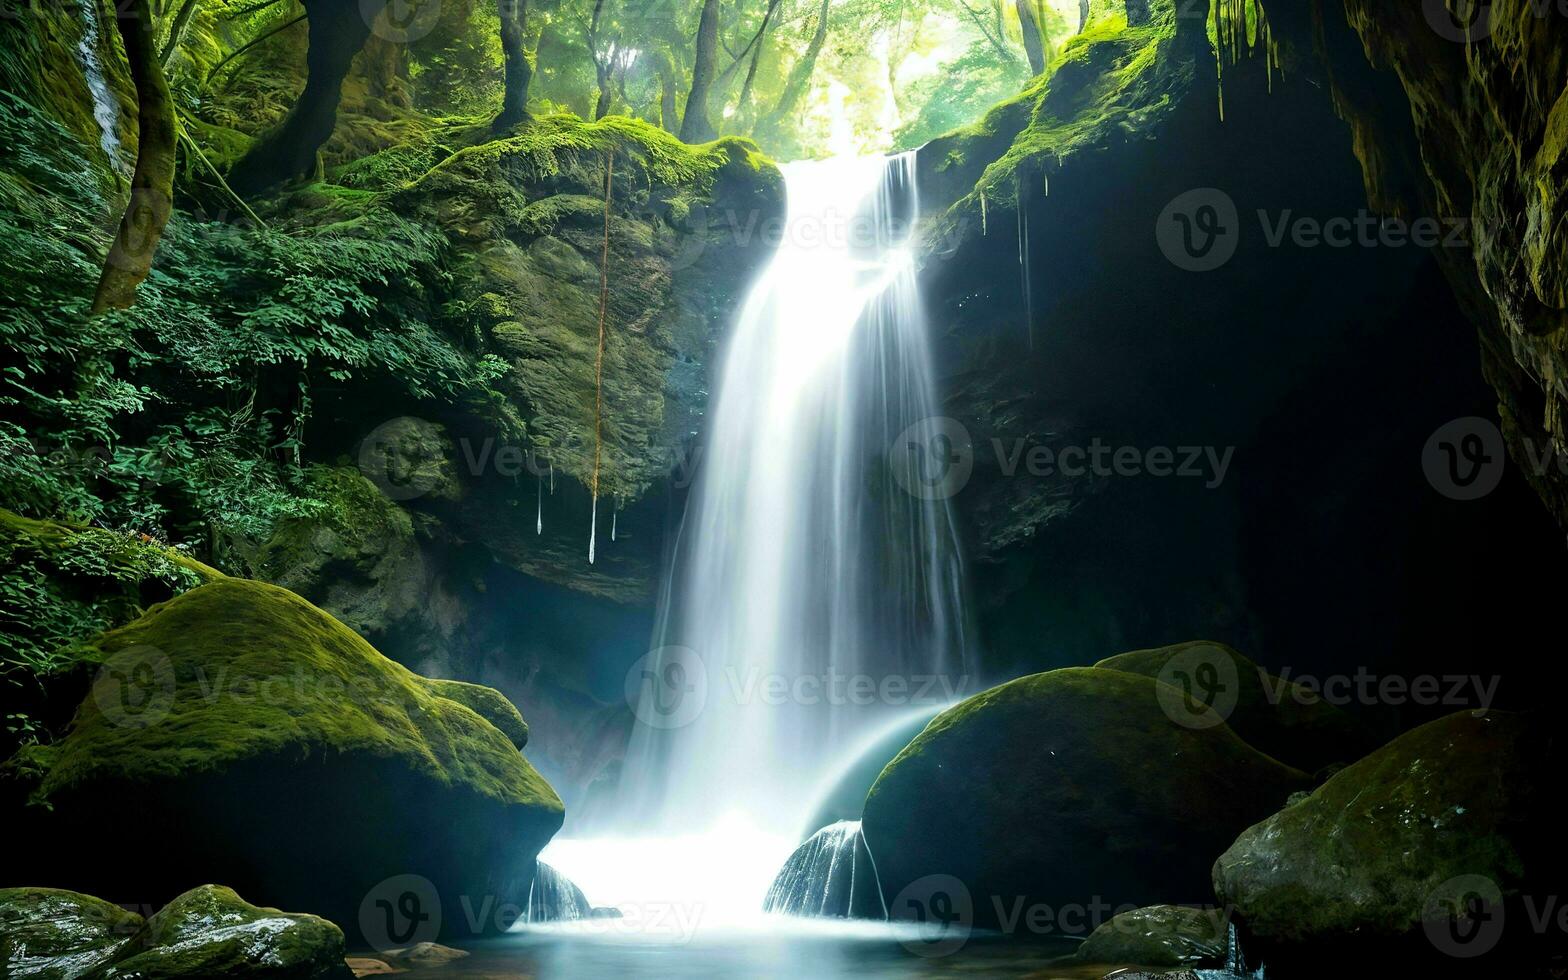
{"x":65,"y":584}
{"x":185,"y":416}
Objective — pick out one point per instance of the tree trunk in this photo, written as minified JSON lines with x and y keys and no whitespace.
{"x":799,"y":75}
{"x":1083,"y":15}
{"x":1034,"y":44}
{"x":337,"y":31}
{"x":669,"y":111}
{"x":181,"y":20}
{"x":695,"y":127}
{"x":517,"y":73}
{"x":152,"y":182}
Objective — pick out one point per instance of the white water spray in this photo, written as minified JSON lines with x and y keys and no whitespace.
{"x":811,"y":597}
{"x":105,"y":110}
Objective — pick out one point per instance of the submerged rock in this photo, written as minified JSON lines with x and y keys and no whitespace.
{"x":832,"y":875}
{"x":422,"y":955}
{"x":262,"y":742}
{"x":1274,"y":715}
{"x":1160,"y":935}
{"x":52,"y":934}
{"x":1404,"y":842}
{"x":1068,"y":788}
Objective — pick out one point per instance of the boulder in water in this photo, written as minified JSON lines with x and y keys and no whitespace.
{"x":1071,"y":789}
{"x":1274,"y":715}
{"x":832,"y":875}
{"x":53,"y":934}
{"x":207,"y":932}
{"x":1160,"y":935}
{"x":259,"y":741}
{"x":1418,"y":849}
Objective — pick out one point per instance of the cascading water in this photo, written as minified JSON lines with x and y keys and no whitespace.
{"x":553,"y":897}
{"x":831,"y":874}
{"x":814,"y":591}
{"x":105,"y":110}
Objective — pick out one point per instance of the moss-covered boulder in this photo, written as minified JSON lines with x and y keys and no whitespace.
{"x":1274,"y":714}
{"x":241,"y":734}
{"x":1451,"y":811}
{"x":1068,"y":788}
{"x":1160,"y":935}
{"x":53,"y":934}
{"x":210,"y":931}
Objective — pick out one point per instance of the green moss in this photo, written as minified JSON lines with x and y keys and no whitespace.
{"x":487,"y":703}
{"x":255,"y":671}
{"x":210,"y":932}
{"x":1364,"y":854}
{"x":1110,"y":82}
{"x":53,"y":934}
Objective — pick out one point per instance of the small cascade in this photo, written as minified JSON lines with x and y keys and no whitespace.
{"x":1235,"y":962}
{"x":105,"y":110}
{"x":830,"y":875}
{"x":538,"y":504}
{"x":554,"y":898}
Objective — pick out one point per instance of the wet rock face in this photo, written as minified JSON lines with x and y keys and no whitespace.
{"x":1484,"y":141}
{"x":1069,"y":790}
{"x":1160,"y":935}
{"x":53,"y":934}
{"x":1446,"y":826}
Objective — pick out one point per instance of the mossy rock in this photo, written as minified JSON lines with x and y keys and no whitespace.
{"x":1277,"y":716}
{"x":273,"y":748}
{"x":1365,"y":860}
{"x":211,"y":932}
{"x":53,"y":934}
{"x":1160,"y":936}
{"x":1072,"y":787}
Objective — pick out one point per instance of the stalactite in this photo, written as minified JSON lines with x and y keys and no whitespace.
{"x":598,"y":368}
{"x":983,"y":230}
{"x":538,"y":503}
{"x":1023,"y":260}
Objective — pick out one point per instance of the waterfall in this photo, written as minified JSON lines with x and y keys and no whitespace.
{"x":831,"y":874}
{"x":554,"y":898}
{"x":801,"y":563}
{"x":814,"y":591}
{"x":105,"y":110}
{"x":1235,"y":961}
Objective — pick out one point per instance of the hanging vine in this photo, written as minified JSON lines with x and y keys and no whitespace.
{"x":598,"y":367}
